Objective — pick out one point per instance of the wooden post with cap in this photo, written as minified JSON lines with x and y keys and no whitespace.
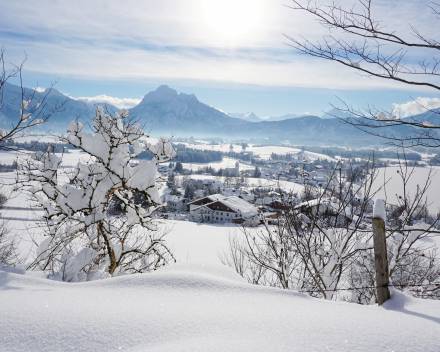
{"x":380,"y":252}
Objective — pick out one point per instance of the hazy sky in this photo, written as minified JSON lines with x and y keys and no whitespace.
{"x":231,"y":53}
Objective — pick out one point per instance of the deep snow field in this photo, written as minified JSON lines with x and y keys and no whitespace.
{"x":200,"y":308}
{"x":419,"y":175}
{"x":224,"y":164}
{"x":263,"y":152}
{"x":254,"y":182}
{"x":195,"y":305}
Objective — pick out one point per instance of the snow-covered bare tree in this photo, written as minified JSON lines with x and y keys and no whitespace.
{"x":330,"y":232}
{"x":8,"y":252}
{"x":313,"y":244}
{"x":265,"y":256}
{"x":33,"y":111}
{"x":238,"y":258}
{"x":86,"y":237}
{"x":413,"y":259}
{"x":324,"y":246}
{"x":358,"y":36}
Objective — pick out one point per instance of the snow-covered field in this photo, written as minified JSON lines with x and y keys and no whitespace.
{"x":254,"y":182}
{"x":201,"y":244}
{"x":266,"y":151}
{"x":263,"y":152}
{"x":190,"y":242}
{"x":195,"y":305}
{"x":224,"y":164}
{"x":394,"y":186}
{"x":70,"y":158}
{"x":9,"y":157}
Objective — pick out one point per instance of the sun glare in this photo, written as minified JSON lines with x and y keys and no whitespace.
{"x":232,"y":21}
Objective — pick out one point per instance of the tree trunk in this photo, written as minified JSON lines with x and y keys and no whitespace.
{"x":111,"y":253}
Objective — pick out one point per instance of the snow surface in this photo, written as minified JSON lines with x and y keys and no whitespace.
{"x":393,"y":185}
{"x":8,"y":157}
{"x":201,"y":308}
{"x":254,"y":182}
{"x":224,"y":164}
{"x":200,"y":244}
{"x":263,"y":152}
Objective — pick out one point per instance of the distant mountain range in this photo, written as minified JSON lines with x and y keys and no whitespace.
{"x":164,"y":111}
{"x":252,"y":117}
{"x":61,"y":108}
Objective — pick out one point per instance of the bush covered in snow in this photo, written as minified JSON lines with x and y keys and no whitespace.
{"x":8,"y":253}
{"x":86,"y":238}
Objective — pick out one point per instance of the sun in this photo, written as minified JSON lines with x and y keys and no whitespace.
{"x":232,"y":21}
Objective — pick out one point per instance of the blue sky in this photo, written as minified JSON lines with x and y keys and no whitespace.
{"x":231,"y":53}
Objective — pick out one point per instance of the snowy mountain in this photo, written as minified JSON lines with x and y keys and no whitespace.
{"x":428,"y":117}
{"x":283,"y":117}
{"x":165,"y":111}
{"x":61,"y":108}
{"x":252,"y":117}
{"x":246,"y":116}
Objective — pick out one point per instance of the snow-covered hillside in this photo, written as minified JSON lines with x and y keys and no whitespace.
{"x":393,"y":188}
{"x":254,"y":182}
{"x":196,"y":308}
{"x":224,"y":164}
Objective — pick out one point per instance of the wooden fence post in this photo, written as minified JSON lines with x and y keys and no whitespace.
{"x":380,"y":252}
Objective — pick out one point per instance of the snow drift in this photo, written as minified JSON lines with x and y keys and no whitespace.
{"x":200,"y":308}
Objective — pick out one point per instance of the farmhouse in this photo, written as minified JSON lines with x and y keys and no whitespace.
{"x":218,"y":208}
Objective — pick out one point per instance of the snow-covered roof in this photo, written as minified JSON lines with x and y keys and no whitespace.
{"x":240,"y":205}
{"x":312,"y":203}
{"x":235,"y":203}
{"x":211,"y":197}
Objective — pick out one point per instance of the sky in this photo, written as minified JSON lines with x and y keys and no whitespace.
{"x":233,"y":54}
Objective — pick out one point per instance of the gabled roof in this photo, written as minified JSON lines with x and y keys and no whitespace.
{"x":210,"y":198}
{"x":234,"y":203}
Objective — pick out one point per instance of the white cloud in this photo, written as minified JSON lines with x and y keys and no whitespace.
{"x":262,"y":69}
{"x":415,"y":107}
{"x":121,"y":103}
{"x":175,"y":39}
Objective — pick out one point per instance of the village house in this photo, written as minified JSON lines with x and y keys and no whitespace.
{"x":217,"y":208}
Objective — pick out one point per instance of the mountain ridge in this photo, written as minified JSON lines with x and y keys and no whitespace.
{"x":164,"y":111}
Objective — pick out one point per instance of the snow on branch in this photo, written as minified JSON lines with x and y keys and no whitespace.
{"x":98,"y":215}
